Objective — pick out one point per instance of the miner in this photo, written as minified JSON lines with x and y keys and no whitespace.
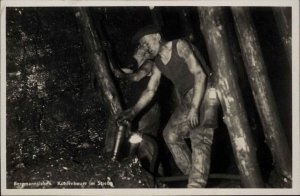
{"x":148,"y":122}
{"x":176,"y":61}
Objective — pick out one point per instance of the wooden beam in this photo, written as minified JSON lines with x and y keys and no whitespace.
{"x":262,"y":92}
{"x":102,"y":72}
{"x":211,"y":176}
{"x":282,"y":17}
{"x":213,"y":28}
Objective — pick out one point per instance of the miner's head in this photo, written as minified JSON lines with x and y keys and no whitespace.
{"x":140,"y":55}
{"x":148,"y":39}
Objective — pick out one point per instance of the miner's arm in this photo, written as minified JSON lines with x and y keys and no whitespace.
{"x":186,"y":52}
{"x":142,"y":72}
{"x":145,"y":98}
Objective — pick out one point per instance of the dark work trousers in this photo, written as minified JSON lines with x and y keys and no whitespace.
{"x":197,"y":163}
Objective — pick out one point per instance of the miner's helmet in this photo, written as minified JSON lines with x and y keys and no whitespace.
{"x":147,"y":30}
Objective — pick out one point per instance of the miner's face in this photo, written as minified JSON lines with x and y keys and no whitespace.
{"x":141,"y":54}
{"x":151,"y":44}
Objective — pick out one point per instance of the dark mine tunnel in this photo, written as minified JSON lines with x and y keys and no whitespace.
{"x":61,"y":117}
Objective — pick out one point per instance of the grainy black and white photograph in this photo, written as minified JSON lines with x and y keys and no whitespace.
{"x":156,"y":97}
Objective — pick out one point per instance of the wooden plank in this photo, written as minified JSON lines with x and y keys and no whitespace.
{"x":211,"y":176}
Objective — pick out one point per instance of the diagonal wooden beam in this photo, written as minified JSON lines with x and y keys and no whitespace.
{"x":262,"y":92}
{"x":213,"y":28}
{"x":102,"y":72}
{"x":282,"y":17}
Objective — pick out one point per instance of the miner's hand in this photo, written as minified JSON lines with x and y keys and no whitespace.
{"x":193,"y":118}
{"x":118,"y":74}
{"x":127,"y":115}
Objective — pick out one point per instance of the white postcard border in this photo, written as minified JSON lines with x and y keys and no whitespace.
{"x":71,"y":3}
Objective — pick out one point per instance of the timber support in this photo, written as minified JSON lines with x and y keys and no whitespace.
{"x":213,"y":28}
{"x":102,"y":72}
{"x":262,"y":92}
